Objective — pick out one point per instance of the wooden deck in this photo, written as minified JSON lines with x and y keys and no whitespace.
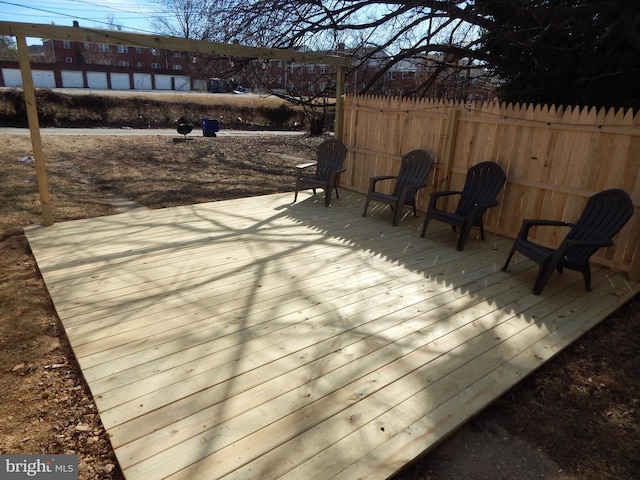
{"x":254,"y":338}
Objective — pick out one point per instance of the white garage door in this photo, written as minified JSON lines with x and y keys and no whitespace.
{"x":120,"y":81}
{"x":163,"y":82}
{"x":12,"y":77}
{"x":182,"y":82}
{"x":142,"y":81}
{"x":43,"y":79}
{"x":72,"y":79}
{"x":97,"y":80}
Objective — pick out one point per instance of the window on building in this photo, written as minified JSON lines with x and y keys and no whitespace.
{"x":138,"y":49}
{"x":177,"y":67}
{"x":68,"y":60}
{"x":66,"y":44}
{"x":85,"y":45}
{"x":154,"y":52}
{"x":103,"y":47}
{"x":139,"y":64}
{"x":391,"y":74}
{"x":123,"y":49}
{"x":311,"y":68}
{"x":175,"y":54}
{"x":311,"y":87}
{"x":323,"y":86}
{"x":279,"y":80}
{"x":123,"y":63}
{"x":323,"y":69}
{"x":155,"y":66}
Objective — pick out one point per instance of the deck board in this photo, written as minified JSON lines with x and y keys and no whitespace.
{"x":258,"y":338}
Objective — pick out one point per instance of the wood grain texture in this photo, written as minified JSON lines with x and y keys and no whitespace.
{"x":256,"y":338}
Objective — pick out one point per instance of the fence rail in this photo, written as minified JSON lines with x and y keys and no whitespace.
{"x":555,"y":158}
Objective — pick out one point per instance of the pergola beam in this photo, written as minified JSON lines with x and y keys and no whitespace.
{"x":114,"y":37}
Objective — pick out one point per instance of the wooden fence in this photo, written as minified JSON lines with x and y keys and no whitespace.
{"x":555,"y":158}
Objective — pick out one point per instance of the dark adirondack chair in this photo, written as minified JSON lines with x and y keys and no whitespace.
{"x":479,"y":193}
{"x":414,"y":169}
{"x":331,"y":155}
{"x":603,"y":216}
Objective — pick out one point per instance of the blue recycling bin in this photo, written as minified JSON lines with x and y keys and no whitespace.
{"x":209,"y":127}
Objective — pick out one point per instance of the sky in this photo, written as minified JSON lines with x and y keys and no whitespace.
{"x":132,"y":15}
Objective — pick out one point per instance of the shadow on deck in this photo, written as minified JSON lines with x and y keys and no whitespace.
{"x":259,"y":338}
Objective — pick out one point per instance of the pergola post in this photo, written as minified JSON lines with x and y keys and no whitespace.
{"x":34,"y":128}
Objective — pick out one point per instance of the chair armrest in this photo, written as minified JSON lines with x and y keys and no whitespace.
{"x":551,"y":223}
{"x":306,"y":165}
{"x":300,"y":168}
{"x":383,"y":177}
{"x":528,"y":223}
{"x":374,"y":180}
{"x":434,"y":196}
{"x":445,"y":193}
{"x":334,"y":175}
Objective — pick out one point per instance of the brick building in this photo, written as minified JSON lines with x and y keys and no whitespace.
{"x":70,"y":64}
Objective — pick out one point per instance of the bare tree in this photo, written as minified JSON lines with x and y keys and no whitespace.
{"x":8,"y":48}
{"x":450,"y":38}
{"x":186,"y":19}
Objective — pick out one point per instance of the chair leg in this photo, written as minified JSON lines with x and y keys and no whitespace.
{"x":295,"y":196}
{"x":506,"y":264}
{"x":396,"y":215}
{"x":366,"y":205}
{"x":546,"y":270}
{"x":465,"y":231}
{"x":327,"y":196}
{"x":337,"y":194}
{"x":586,"y":273}
{"x":424,"y":226}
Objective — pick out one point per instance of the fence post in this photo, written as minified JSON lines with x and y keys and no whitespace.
{"x":449,"y":147}
{"x":339,"y":120}
{"x":34,"y":127}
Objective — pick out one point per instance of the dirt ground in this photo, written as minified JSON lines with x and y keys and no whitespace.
{"x":577,"y":417}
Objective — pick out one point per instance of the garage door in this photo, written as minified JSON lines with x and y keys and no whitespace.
{"x":97,"y":80}
{"x":72,"y":79}
{"x":120,"y":81}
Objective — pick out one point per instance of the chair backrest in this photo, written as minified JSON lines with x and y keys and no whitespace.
{"x":603,"y":216}
{"x":414,"y":168}
{"x":484,"y":181}
{"x":331,"y":155}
